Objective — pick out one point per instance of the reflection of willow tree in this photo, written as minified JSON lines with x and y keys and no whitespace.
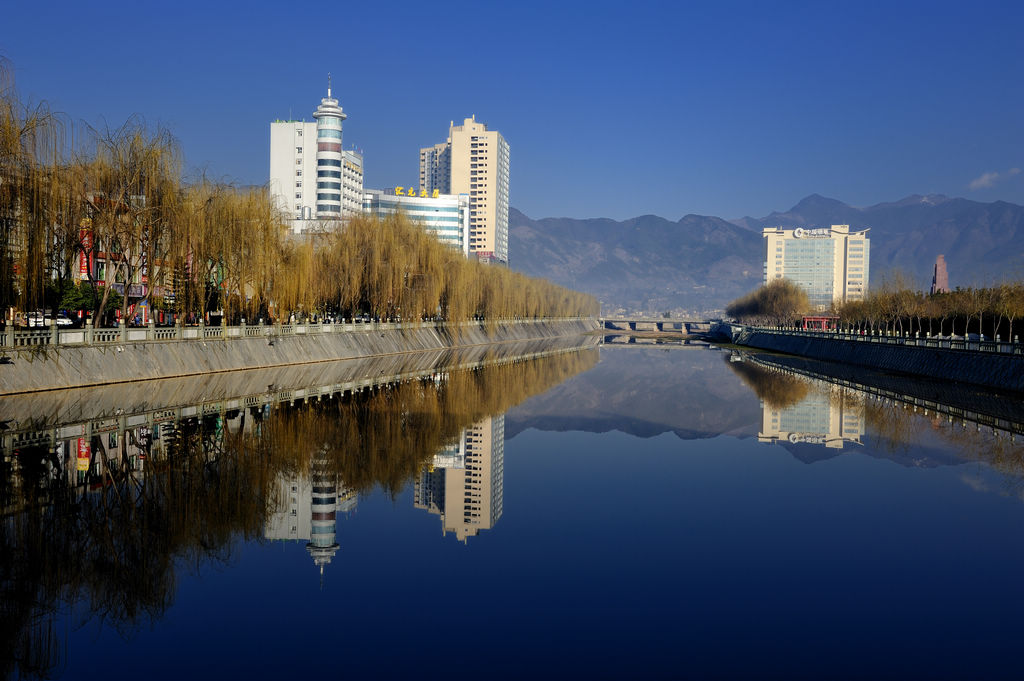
{"x":778,"y":390}
{"x":116,"y":548}
{"x":896,"y":427}
{"x":385,"y":435}
{"x":899,"y":427}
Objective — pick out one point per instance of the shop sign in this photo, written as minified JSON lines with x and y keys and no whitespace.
{"x":801,"y":233}
{"x":400,"y":191}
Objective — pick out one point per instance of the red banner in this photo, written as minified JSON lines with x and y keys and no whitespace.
{"x":83,"y":454}
{"x":85,"y":258}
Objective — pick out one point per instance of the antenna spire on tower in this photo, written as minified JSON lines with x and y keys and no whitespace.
{"x":328,"y":85}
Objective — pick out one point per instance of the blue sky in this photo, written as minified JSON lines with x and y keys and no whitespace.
{"x":611,"y":109}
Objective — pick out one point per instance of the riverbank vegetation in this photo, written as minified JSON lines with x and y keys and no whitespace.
{"x":103,"y":217}
{"x":778,"y":302}
{"x":895,"y":308}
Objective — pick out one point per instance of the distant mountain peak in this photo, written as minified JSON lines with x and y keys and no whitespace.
{"x":817,"y":202}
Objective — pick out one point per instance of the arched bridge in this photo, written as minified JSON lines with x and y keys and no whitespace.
{"x":682,"y":326}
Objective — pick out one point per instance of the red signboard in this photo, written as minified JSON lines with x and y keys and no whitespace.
{"x":85,"y":258}
{"x":83,"y":454}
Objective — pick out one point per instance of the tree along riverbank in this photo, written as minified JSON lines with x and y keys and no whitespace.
{"x":101,"y":218}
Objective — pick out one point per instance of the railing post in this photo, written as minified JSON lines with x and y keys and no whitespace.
{"x":179,"y":332}
{"x":123,"y":328}
{"x":54,"y":337}
{"x":224,"y":326}
{"x":151,"y":330}
{"x":241,"y":329}
{"x":89,"y":326}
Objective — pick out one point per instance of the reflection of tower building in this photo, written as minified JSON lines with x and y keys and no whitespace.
{"x":825,"y":417}
{"x":324,"y":496}
{"x":467,"y":488}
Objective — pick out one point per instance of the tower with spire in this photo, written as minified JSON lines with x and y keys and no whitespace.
{"x":329,"y":157}
{"x":314,"y":181}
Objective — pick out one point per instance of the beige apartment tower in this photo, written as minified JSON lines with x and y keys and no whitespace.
{"x":473,"y":161}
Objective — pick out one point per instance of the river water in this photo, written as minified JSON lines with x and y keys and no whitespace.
{"x":645,"y":511}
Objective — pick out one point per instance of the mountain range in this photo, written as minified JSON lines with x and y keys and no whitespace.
{"x":699,"y":263}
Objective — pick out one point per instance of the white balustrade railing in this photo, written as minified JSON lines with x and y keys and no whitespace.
{"x":21,"y":338}
{"x":916,"y":340}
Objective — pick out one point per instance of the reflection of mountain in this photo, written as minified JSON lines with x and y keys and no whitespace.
{"x":645,"y":392}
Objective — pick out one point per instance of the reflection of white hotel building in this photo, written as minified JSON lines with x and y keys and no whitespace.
{"x":830,"y":264}
{"x":825,"y":417}
{"x":465,"y":483}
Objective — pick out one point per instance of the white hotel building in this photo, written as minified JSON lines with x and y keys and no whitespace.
{"x":831,"y":264}
{"x":312,"y":179}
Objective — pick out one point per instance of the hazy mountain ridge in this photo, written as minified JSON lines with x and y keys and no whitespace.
{"x":702,"y":262}
{"x":646,"y":262}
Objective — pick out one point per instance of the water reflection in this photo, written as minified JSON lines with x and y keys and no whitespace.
{"x":106,"y":511}
{"x":465,"y":481}
{"x":814,"y":403}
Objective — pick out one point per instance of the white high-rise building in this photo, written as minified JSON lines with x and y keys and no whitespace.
{"x":313,"y":180}
{"x":831,"y":264}
{"x":474,"y":161}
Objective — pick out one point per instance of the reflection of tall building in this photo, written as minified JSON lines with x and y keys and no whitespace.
{"x":828,"y":418}
{"x":308,"y":511}
{"x":465,"y":484}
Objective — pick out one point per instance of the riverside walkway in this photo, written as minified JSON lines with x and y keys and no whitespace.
{"x":993,"y":364}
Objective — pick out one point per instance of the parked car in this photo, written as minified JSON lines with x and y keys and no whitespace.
{"x":61,"y":321}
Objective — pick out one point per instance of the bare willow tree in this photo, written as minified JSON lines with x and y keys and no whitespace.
{"x":121,"y":202}
{"x":778,"y":302}
{"x":135,"y":177}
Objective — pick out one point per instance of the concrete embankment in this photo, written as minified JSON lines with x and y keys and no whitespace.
{"x":997,"y":370}
{"x":67,"y":366}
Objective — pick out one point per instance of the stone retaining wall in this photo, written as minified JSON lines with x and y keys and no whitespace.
{"x":65,"y":366}
{"x":992,"y":370}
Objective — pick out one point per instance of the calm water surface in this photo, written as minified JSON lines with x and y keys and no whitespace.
{"x":646,"y":512}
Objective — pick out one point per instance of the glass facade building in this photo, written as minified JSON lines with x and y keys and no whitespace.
{"x":831,"y":264}
{"x":445,"y":215}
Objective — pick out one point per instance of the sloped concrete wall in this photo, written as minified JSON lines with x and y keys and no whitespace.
{"x":57,"y":367}
{"x":993,"y":370}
